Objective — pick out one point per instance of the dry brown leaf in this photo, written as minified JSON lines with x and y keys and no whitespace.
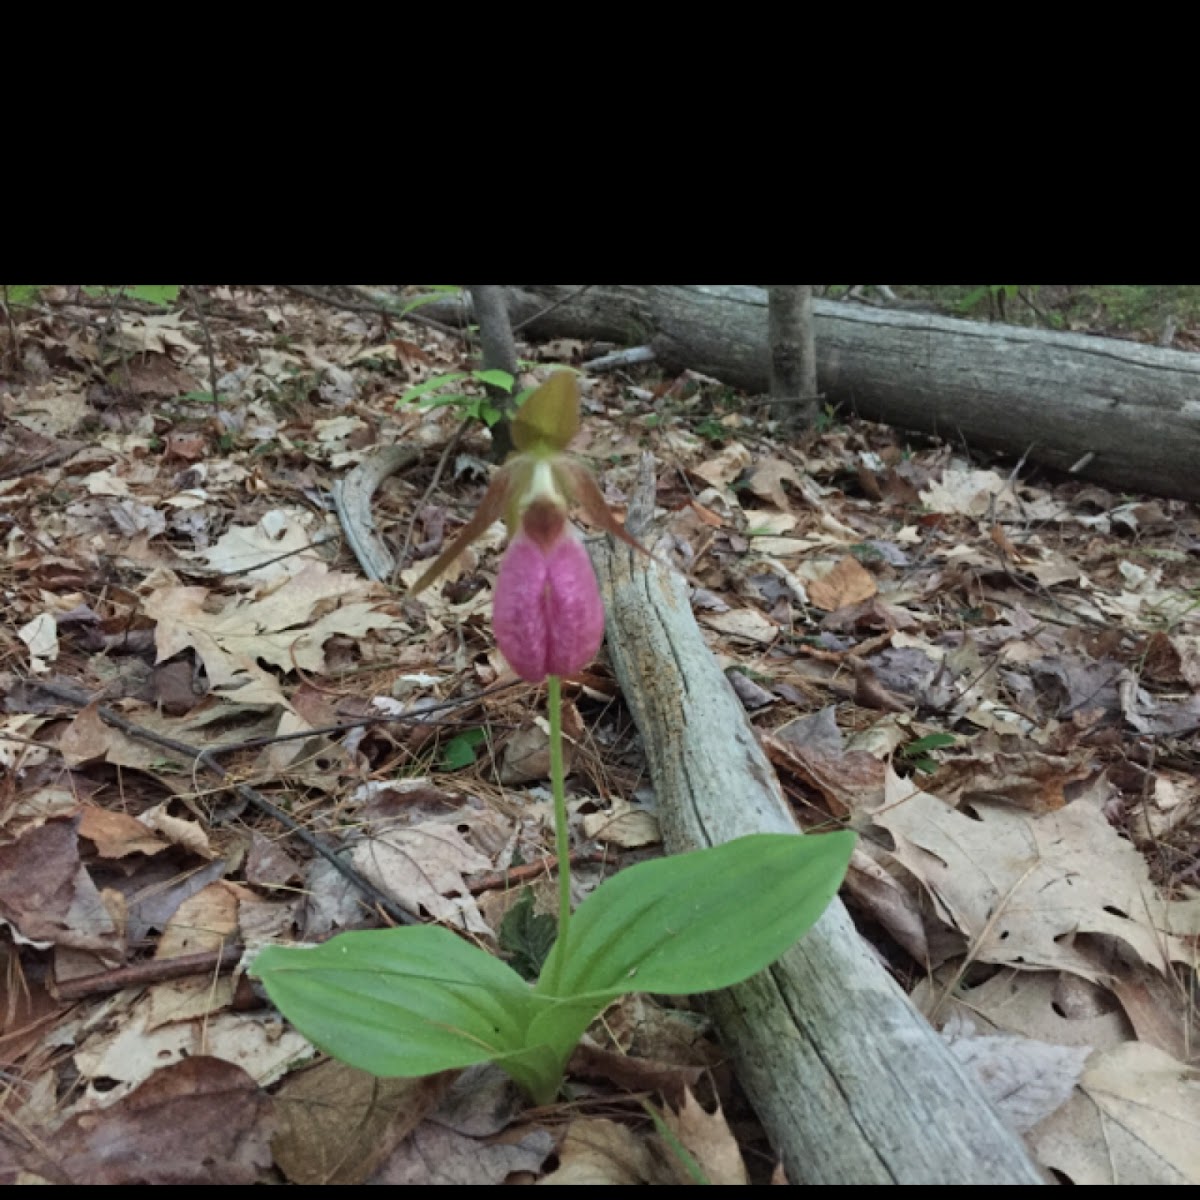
{"x":86,"y":738}
{"x":422,"y":867}
{"x":632,"y":1074}
{"x":89,"y":739}
{"x":1134,"y":1120}
{"x":282,"y":628}
{"x":436,"y":1155}
{"x":268,"y":864}
{"x":1160,"y":1016}
{"x":1027,"y":1003}
{"x":767,"y":480}
{"x":869,"y":691}
{"x":1026,"y":777}
{"x":596,"y":1151}
{"x":117,"y":834}
{"x":707,"y":1137}
{"x":746,"y":623}
{"x":132,"y":1052}
{"x":643,"y":1028}
{"x":1025,"y":1080}
{"x":969,"y":493}
{"x":527,"y":755}
{"x":1187,"y":647}
{"x":726,"y":466}
{"x":279,"y":545}
{"x":202,"y":1121}
{"x":623,"y":825}
{"x":882,"y":897}
{"x":338,"y":1124}
{"x":47,"y":896}
{"x":848,"y":582}
{"x":178,"y":831}
{"x":205,"y":921}
{"x":1020,"y":886}
{"x":850,"y":782}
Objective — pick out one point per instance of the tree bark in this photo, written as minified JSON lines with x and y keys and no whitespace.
{"x":499,"y":354}
{"x":793,"y":354}
{"x":849,"y":1080}
{"x":1058,"y":397}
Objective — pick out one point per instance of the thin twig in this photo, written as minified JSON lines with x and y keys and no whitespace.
{"x":522,"y":874}
{"x":204,"y":758}
{"x":154,"y":970}
{"x":198,"y":309}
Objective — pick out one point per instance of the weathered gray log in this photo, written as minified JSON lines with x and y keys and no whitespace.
{"x":849,"y":1080}
{"x":352,"y":500}
{"x":1060,"y":396}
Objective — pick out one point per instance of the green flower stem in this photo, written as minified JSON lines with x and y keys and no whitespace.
{"x":562,"y":842}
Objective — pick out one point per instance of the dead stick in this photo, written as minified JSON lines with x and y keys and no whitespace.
{"x":153,"y":970}
{"x":543,"y":866}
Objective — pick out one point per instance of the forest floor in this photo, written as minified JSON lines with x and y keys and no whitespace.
{"x":1018,"y":657}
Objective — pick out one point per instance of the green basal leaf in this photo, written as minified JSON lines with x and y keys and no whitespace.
{"x":931,"y":741}
{"x":404,"y":1002}
{"x":442,"y":401}
{"x":431,"y":385}
{"x":439,"y":291}
{"x":497,"y":378}
{"x":526,"y":936}
{"x":699,"y":921}
{"x":460,"y":749}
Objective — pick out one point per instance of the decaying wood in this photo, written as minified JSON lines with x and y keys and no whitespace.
{"x":1058,"y":396}
{"x":352,"y":500}
{"x":849,"y":1080}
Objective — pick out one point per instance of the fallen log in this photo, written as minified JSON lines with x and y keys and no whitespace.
{"x":849,"y":1080}
{"x":1123,"y":414}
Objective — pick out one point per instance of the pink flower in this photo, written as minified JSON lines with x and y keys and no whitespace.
{"x":547,"y":611}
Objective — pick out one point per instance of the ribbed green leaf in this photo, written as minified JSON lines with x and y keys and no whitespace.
{"x":401,"y":1002}
{"x":693,"y":922}
{"x":431,"y":385}
{"x":497,"y":378}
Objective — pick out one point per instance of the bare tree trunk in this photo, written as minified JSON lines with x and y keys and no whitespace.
{"x":793,"y":353}
{"x":499,"y":354}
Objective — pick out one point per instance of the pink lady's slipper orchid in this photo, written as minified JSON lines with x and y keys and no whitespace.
{"x":547,"y":611}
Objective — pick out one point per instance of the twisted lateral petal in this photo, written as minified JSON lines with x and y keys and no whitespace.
{"x":547,"y":611}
